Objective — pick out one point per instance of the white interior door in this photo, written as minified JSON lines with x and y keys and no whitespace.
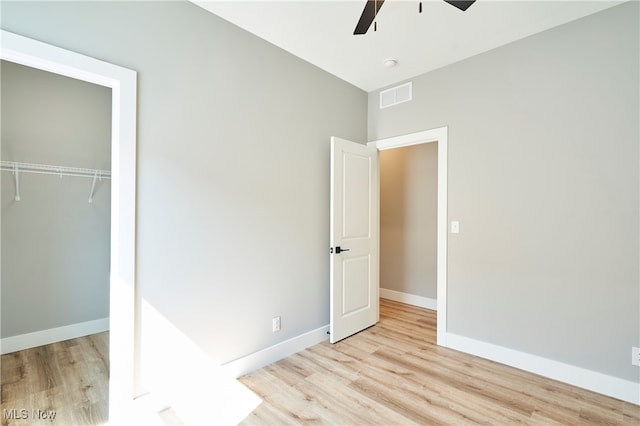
{"x":354,"y":238}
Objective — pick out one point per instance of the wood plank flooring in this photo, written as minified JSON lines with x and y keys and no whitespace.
{"x":394,"y":374}
{"x":69,"y":378}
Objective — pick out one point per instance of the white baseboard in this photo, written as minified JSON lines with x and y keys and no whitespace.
{"x":409,"y":299}
{"x":597,"y":382}
{"x":256,"y":360}
{"x":52,"y":335}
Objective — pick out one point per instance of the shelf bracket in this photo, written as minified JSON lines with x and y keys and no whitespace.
{"x":16,"y":174}
{"x":93,"y":187}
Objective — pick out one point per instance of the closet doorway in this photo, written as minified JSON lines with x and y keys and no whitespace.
{"x":122,"y":83}
{"x":56,"y":204}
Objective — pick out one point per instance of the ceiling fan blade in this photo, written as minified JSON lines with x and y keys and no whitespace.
{"x":461,"y":4}
{"x":369,"y":13}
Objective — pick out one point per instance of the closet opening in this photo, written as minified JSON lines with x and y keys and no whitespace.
{"x":55,"y":223}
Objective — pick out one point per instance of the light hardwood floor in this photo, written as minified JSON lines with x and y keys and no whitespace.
{"x":70,"y":378}
{"x":393,"y":373}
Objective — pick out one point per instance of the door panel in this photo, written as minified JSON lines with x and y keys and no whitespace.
{"x":356,"y":197}
{"x":354,"y":230}
{"x":355,"y":298}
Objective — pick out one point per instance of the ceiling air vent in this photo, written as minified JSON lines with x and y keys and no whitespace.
{"x":396,"y":95}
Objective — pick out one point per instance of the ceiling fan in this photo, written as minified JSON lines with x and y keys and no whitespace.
{"x":372,"y":8}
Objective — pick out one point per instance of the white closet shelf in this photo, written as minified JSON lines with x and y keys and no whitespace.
{"x":12,"y":166}
{"x":47,"y":169}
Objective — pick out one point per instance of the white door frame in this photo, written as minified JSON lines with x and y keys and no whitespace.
{"x":122,"y":81}
{"x":439,"y":135}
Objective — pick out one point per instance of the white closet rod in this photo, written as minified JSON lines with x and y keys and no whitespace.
{"x":12,"y":166}
{"x":17,"y":168}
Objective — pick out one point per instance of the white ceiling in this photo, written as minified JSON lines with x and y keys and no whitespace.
{"x":321,"y":32}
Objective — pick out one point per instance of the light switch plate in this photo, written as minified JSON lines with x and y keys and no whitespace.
{"x":455,"y":227}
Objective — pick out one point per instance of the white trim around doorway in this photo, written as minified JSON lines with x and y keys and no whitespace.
{"x":439,"y":135}
{"x":123,"y":83}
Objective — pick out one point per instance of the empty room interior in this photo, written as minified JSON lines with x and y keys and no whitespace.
{"x":341,"y":212}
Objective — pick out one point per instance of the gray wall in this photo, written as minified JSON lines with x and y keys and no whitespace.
{"x":55,"y":245}
{"x":543,"y":177}
{"x":408,"y":217}
{"x":233,"y":177}
{"x":233,"y":168}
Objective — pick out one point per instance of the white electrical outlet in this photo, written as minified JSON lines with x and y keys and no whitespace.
{"x":635,"y":356}
{"x":276,"y":324}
